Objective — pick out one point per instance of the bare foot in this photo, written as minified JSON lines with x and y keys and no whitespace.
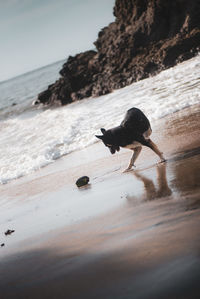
{"x":162,"y":160}
{"x":129,"y":169}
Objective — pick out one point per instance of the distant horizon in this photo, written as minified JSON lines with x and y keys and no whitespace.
{"x":36,"y":34}
{"x":42,"y":66}
{"x":33,"y":70}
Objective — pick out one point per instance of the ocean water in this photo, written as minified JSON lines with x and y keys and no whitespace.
{"x":17,"y":94}
{"x":32,"y":137}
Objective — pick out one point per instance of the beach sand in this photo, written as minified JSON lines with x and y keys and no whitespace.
{"x":125,"y":235}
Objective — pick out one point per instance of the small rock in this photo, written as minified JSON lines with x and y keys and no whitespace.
{"x":3,"y":244}
{"x":9,"y":232}
{"x":82,"y":181}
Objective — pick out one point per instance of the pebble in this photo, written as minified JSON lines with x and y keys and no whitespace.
{"x":82,"y":181}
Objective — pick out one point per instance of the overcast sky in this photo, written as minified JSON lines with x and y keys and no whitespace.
{"x":34,"y":33}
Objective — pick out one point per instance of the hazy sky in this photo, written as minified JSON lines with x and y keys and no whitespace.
{"x":34,"y":33}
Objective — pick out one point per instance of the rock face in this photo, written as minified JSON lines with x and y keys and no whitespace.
{"x":146,"y":37}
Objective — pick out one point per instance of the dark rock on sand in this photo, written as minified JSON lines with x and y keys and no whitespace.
{"x":3,"y":244}
{"x":146,"y":37}
{"x":82,"y":181}
{"x":9,"y":232}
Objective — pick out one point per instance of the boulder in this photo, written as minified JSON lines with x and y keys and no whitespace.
{"x":146,"y":37}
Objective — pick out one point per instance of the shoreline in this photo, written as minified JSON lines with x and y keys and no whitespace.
{"x":96,"y":152}
{"x":124,"y":234}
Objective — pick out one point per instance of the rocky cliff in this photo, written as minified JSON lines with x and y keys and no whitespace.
{"x":146,"y":37}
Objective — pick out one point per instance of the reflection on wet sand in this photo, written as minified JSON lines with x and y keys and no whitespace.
{"x":179,"y":176}
{"x":152,"y":192}
{"x":163,"y":189}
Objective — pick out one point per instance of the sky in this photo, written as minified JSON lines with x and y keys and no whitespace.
{"x":35,"y":33}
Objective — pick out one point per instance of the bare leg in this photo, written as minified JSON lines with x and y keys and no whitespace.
{"x":136,"y":153}
{"x":154,"y":147}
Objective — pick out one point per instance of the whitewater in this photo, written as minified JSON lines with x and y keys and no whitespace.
{"x":32,"y":137}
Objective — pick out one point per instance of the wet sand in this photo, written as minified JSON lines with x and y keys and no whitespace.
{"x":125,"y":235}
